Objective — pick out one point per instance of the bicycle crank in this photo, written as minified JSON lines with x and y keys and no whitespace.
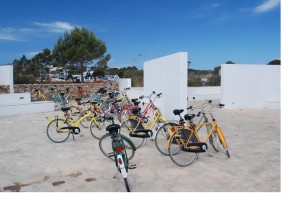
{"x":75,"y":130}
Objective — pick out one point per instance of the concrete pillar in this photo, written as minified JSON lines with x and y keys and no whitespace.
{"x":7,"y":77}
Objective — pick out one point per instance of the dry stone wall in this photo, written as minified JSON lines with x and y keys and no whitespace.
{"x":88,"y":88}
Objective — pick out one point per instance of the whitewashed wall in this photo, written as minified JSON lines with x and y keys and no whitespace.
{"x":204,"y":93}
{"x":168,"y":75}
{"x":124,"y":83}
{"x":250,"y":86}
{"x":6,"y":77}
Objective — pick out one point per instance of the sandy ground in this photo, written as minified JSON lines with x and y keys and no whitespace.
{"x":30,"y":162}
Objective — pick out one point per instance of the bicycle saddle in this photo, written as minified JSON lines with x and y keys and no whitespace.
{"x":113,"y":128}
{"x":177,"y":112}
{"x":135,"y":110}
{"x":64,"y":109}
{"x":136,"y":103}
{"x":134,"y":100}
{"x":189,"y":116}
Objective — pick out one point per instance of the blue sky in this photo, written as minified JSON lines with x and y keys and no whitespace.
{"x":211,"y":31}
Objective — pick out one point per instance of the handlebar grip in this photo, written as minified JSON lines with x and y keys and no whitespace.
{"x":158,"y":95}
{"x":153,"y":92}
{"x":141,"y":97}
{"x":189,"y":108}
{"x":221,"y":105}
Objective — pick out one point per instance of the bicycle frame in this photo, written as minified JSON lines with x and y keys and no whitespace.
{"x":157,"y":117}
{"x":194,"y":131}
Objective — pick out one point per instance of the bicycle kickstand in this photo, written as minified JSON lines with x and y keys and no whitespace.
{"x":116,"y":174}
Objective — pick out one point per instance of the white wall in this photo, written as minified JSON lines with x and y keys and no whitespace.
{"x":250,"y":86}
{"x":204,"y":93}
{"x":30,"y":108}
{"x":168,"y":75}
{"x":16,"y":98}
{"x":6,"y":77}
{"x":124,"y":83}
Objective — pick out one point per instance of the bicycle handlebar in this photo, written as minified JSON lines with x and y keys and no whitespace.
{"x":221,"y":105}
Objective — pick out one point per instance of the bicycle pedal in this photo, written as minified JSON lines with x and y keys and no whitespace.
{"x":133,"y":166}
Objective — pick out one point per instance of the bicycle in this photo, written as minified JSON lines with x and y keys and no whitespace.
{"x":119,"y":144}
{"x":184,"y":144}
{"x":163,"y":133}
{"x":38,"y":95}
{"x":59,"y":129}
{"x":58,"y":97}
{"x":138,"y":127}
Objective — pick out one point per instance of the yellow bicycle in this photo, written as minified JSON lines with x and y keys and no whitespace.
{"x":59,"y":128}
{"x":38,"y":95}
{"x":139,"y":127}
{"x":184,"y":144}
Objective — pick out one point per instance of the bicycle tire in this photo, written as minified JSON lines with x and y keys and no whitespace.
{"x":126,"y":184}
{"x":97,"y":128}
{"x":177,"y":155}
{"x":85,"y":122}
{"x":213,"y":138}
{"x":106,"y":147}
{"x":162,"y":136}
{"x":222,"y":139}
{"x":127,"y":127}
{"x":55,"y":135}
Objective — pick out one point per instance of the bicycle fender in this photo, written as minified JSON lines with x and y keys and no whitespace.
{"x":129,"y":141}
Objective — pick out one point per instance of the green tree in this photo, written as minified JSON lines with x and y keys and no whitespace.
{"x":44,"y":58}
{"x":23,"y":71}
{"x":98,"y":72}
{"x":274,"y":62}
{"x":80,"y":47}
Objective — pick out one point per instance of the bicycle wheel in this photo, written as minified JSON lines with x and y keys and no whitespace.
{"x":126,"y":184}
{"x":127,"y":127}
{"x":106,"y":147}
{"x":54,"y":132}
{"x":177,"y":155}
{"x":213,"y":138}
{"x":98,"y":127}
{"x":162,"y":136}
{"x":221,"y":137}
{"x":85,"y":122}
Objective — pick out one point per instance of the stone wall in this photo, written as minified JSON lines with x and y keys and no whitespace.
{"x":88,"y":88}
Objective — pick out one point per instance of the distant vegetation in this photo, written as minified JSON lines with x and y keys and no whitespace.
{"x":80,"y":49}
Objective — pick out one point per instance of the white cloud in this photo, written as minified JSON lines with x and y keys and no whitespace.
{"x":56,"y":27}
{"x":266,"y":6}
{"x":9,"y":33}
